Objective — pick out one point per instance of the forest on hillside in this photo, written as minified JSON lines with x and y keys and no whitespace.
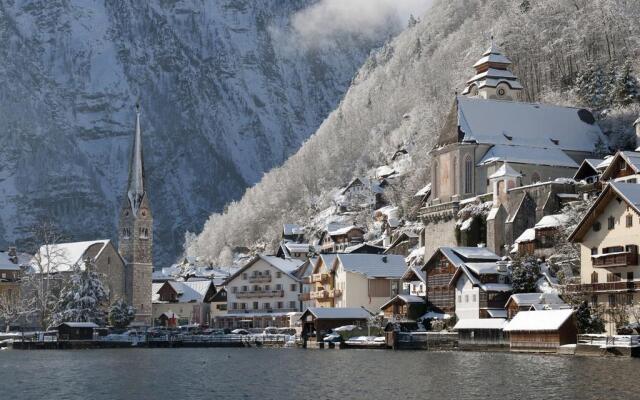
{"x":568,"y":52}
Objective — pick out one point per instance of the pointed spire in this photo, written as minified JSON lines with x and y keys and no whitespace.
{"x":136,"y":187}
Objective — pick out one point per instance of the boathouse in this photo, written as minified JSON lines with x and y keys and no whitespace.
{"x":541,"y":331}
{"x":485,"y":333}
{"x":76,"y":330}
{"x":319,"y":321}
{"x":404,"y":307}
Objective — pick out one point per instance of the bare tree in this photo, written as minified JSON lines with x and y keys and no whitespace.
{"x":12,"y":308}
{"x":42,"y":282}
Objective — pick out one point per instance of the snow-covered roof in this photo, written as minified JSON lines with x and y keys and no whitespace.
{"x":528,"y":155}
{"x":528,"y":299}
{"x":405,"y":298}
{"x":292,"y":229}
{"x":188,"y":292}
{"x":375,"y":249}
{"x":546,"y":320}
{"x":287,"y":265}
{"x":80,"y":324}
{"x":493,"y":58}
{"x":343,"y":230}
{"x":414,"y":270}
{"x":528,"y":235}
{"x":384,"y":171}
{"x":497,"y":312}
{"x":505,"y":170}
{"x":475,"y":253}
{"x":337,"y":313}
{"x":8,"y":263}
{"x":373,"y":265}
{"x":65,"y":257}
{"x":485,"y":268}
{"x":424,"y":191}
{"x":298,"y":247}
{"x":551,"y":221}
{"x":484,"y":323}
{"x":434,"y":315}
{"x":527,"y":124}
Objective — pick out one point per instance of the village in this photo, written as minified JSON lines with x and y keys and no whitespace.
{"x":526,"y":240}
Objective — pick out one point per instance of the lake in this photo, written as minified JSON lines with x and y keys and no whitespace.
{"x":251,"y":373}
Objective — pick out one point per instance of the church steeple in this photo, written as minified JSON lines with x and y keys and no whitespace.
{"x":135,"y":235}
{"x":136,"y":185}
{"x":493,"y":80}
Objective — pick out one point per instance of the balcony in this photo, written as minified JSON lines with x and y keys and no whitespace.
{"x":628,"y":286}
{"x":319,"y":295}
{"x":335,"y":293}
{"x":260,"y":293}
{"x":259,"y":278}
{"x":611,"y":260}
{"x":319,"y":278}
{"x":304,"y":296}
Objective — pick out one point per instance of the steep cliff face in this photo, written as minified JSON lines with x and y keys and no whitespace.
{"x":226,"y":95}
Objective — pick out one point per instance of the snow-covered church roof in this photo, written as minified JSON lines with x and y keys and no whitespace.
{"x":64,"y":257}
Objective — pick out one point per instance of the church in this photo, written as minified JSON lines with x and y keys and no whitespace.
{"x":127,"y":269}
{"x":493,"y":142}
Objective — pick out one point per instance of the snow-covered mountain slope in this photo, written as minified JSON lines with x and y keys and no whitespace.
{"x":400,"y":96}
{"x":226,"y":94}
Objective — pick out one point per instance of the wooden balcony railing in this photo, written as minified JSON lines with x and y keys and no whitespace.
{"x":322,"y":278}
{"x":259,"y":278}
{"x":304,"y":296}
{"x":320,"y":295}
{"x":260,"y":293}
{"x":628,"y":286}
{"x":621,"y":259}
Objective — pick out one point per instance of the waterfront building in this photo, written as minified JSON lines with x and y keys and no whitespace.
{"x":319,"y":321}
{"x":609,"y":238}
{"x":404,"y":307}
{"x":12,"y":266}
{"x":76,"y":330}
{"x":192,"y":302}
{"x":485,"y":333}
{"x":415,"y":281}
{"x":489,"y":128}
{"x":542,"y":331}
{"x":533,"y":302}
{"x":357,"y":280}
{"x":440,"y":269}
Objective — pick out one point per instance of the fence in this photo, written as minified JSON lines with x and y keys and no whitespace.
{"x":610,"y":341}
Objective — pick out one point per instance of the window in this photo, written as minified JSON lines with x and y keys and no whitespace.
{"x":243,"y":306}
{"x":126,"y":233}
{"x":221,"y":307}
{"x":594,"y":277}
{"x":395,"y":288}
{"x":466,"y":298}
{"x":267,"y":273}
{"x":594,"y":251}
{"x":267,"y":306}
{"x":629,"y":221}
{"x":234,"y":289}
{"x":596,"y":226}
{"x":632,"y":180}
{"x":294,"y":287}
{"x":292,"y":305}
{"x":279,"y":286}
{"x":244,"y":288}
{"x":628,"y":299}
{"x":255,"y":305}
{"x":143,"y":233}
{"x":244,"y":275}
{"x":234,"y":306}
{"x":454,"y":181}
{"x":612,"y":300}
{"x":611,"y":223}
{"x":501,"y":92}
{"x":278,"y":274}
{"x":280,"y":305}
{"x":267,"y":288}
{"x":468,"y":175}
{"x":630,"y":276}
{"x":473,"y":298}
{"x":459,"y":298}
{"x":594,"y":300}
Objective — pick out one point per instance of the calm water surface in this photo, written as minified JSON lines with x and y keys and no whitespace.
{"x":310,"y":374}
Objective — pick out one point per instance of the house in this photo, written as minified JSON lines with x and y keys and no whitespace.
{"x":292,"y":232}
{"x":319,"y":321}
{"x":486,"y":333}
{"x":533,"y":302}
{"x":305,"y":273}
{"x":481,"y":289}
{"x":64,"y":258}
{"x":441,"y":268}
{"x":190,"y":301}
{"x":404,"y":307}
{"x":337,"y":238}
{"x":539,"y":240}
{"x":609,"y":238}
{"x":168,"y":319}
{"x":364,"y":248}
{"x":296,"y":250}
{"x":489,"y":127}
{"x":358,"y":280}
{"x":541,"y":331}
{"x":12,"y":266}
{"x":590,"y":170}
{"x":415,"y":280}
{"x":263,"y":293}
{"x":403,"y":243}
{"x":360,"y":193}
{"x":624,"y":166}
{"x":219,"y":303}
{"x":76,"y":330}
{"x":319,"y":284}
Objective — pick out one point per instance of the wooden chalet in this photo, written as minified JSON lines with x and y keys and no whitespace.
{"x":76,"y":330}
{"x":335,"y":240}
{"x":536,"y":301}
{"x":404,"y":307}
{"x":542,"y":331}
{"x":403,"y":243}
{"x":487,"y":333}
{"x":318,"y":321}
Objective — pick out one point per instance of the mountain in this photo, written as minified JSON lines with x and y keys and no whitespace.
{"x":564,"y":52}
{"x":226,"y":92}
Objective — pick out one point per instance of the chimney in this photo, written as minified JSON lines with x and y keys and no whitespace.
{"x":13,"y":255}
{"x":636,"y":124}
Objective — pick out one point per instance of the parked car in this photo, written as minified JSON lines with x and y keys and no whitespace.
{"x":332,"y":338}
{"x":240,"y":332}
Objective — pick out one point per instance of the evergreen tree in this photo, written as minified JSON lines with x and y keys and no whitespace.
{"x":625,"y":90}
{"x":587,"y":321}
{"x":83,"y":298}
{"x":524,"y":274}
{"x":121,"y":314}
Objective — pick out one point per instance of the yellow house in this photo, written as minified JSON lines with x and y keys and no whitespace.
{"x":609,"y":237}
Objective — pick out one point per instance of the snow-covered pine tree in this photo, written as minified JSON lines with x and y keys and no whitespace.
{"x":121,"y":314}
{"x":625,"y":89}
{"x":587,"y":320}
{"x":83,"y":298}
{"x":524,"y":274}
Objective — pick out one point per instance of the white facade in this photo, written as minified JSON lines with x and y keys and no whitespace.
{"x":263,"y":287}
{"x":467,"y":299}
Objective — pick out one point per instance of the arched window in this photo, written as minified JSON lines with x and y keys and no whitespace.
{"x":435,"y":179}
{"x":468,"y":175}
{"x":454,"y":181}
{"x":535,"y":177}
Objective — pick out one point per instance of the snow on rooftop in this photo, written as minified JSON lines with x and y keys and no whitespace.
{"x":528,"y":155}
{"x":629,"y":191}
{"x":188,"y":292}
{"x":547,"y":320}
{"x":476,"y":253}
{"x":485,"y":268}
{"x":424,"y":191}
{"x":288,"y":265}
{"x":384,"y":171}
{"x":341,"y":231}
{"x":8,"y":263}
{"x":80,"y":324}
{"x":64,"y":256}
{"x":374,"y":265}
{"x":528,"y":235}
{"x":338,"y":313}
{"x":551,"y":221}
{"x":292,"y":229}
{"x":484,"y":323}
{"x":526,"y":124}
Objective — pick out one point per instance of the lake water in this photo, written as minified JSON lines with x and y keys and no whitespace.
{"x":215,"y":373}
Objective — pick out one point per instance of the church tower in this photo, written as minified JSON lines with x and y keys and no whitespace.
{"x":493,"y":80}
{"x":135,"y":236}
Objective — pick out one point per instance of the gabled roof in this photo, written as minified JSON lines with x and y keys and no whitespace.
{"x":529,"y":299}
{"x":364,"y":248}
{"x":631,"y":158}
{"x":510,"y":123}
{"x":546,"y":320}
{"x":551,"y":221}
{"x":372,"y":265}
{"x":425,"y":191}
{"x":404,"y":298}
{"x":336,"y":313}
{"x":589,"y":167}
{"x":459,"y":255}
{"x":629,"y":192}
{"x":343,"y":230}
{"x":285,"y":265}
{"x":414,"y":272}
{"x":8,"y":263}
{"x":505,"y":170}
{"x":80,"y":324}
{"x":554,"y":157}
{"x":325,"y":259}
{"x":485,"y":323}
{"x":188,"y":292}
{"x":64,"y":257}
